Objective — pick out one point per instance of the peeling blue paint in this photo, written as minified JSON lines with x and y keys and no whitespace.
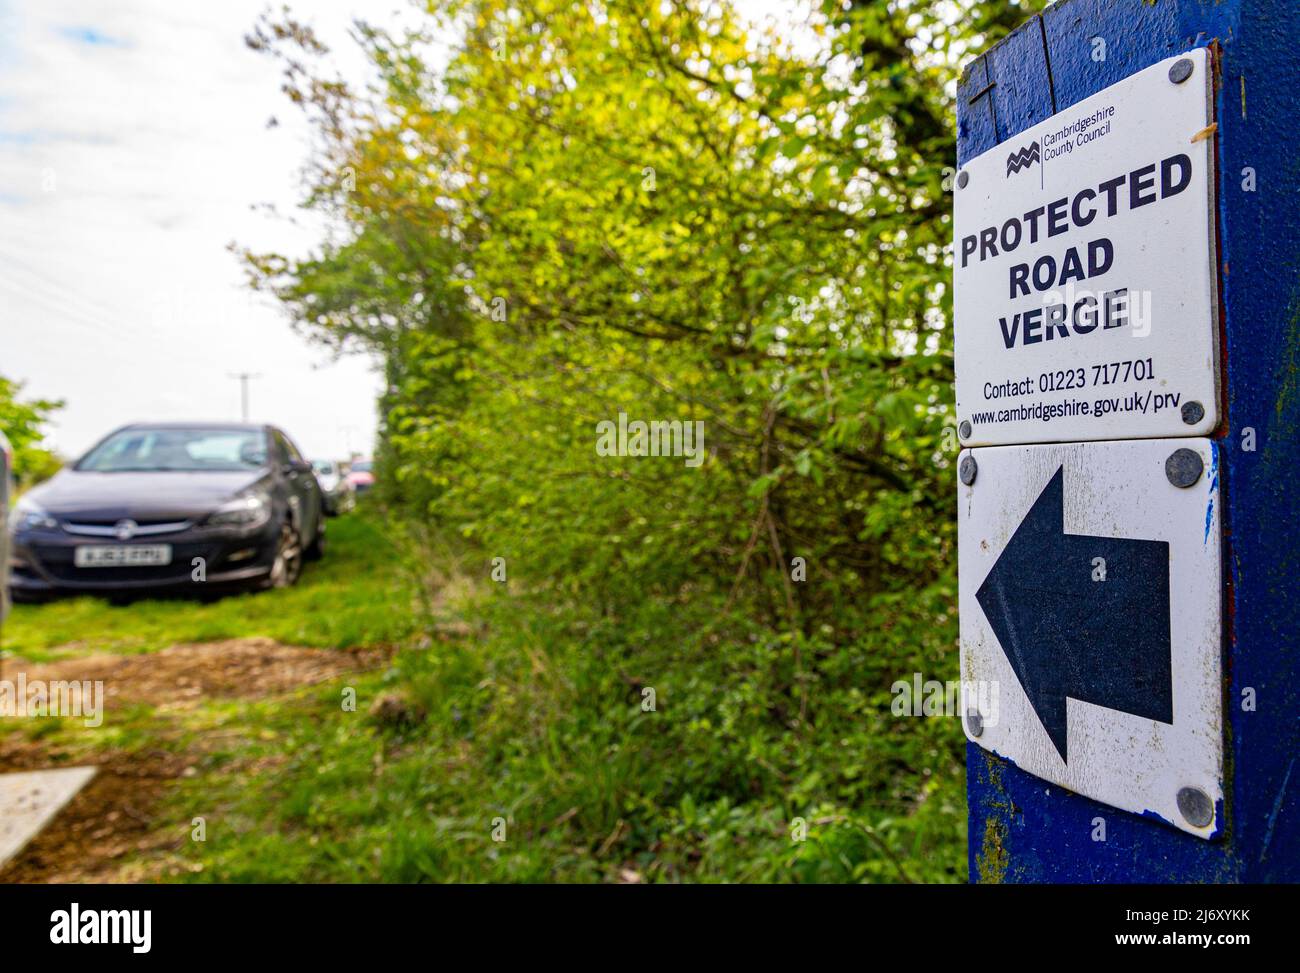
{"x":1153,"y":816}
{"x":1214,"y":484}
{"x":1277,"y":806}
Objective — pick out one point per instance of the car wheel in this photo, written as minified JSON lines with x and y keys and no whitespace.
{"x":287,"y":565}
{"x":316,"y":549}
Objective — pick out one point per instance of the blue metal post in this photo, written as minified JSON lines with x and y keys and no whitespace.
{"x":1023,"y":829}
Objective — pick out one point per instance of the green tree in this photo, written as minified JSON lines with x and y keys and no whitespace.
{"x":667,"y":212}
{"x":23,"y":423}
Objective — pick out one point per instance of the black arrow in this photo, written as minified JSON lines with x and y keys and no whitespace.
{"x":1102,"y":642}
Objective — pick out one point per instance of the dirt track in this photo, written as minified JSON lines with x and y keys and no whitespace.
{"x":113,"y":818}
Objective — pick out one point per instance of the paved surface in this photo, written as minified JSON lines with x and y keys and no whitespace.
{"x":29,"y":801}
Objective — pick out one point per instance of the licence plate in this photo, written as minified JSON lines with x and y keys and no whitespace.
{"x":122,"y":555}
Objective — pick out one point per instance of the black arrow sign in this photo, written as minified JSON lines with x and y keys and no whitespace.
{"x":1102,"y":642}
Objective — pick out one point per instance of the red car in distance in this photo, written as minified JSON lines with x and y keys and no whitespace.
{"x":362,"y":475}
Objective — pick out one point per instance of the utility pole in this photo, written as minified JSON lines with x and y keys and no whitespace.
{"x":244,"y":378}
{"x":347,"y":431}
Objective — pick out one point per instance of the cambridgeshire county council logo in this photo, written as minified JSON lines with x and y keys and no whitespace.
{"x":1022,"y":159}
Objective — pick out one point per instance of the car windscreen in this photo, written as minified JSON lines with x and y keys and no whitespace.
{"x":323,"y":466}
{"x":177,"y":450}
{"x":363,"y":467}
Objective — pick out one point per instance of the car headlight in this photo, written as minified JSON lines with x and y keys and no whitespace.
{"x":252,"y":508}
{"x":31,"y":516}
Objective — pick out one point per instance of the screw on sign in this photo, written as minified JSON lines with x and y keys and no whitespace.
{"x":968,"y":470}
{"x":1183,"y":467}
{"x":1180,"y":71}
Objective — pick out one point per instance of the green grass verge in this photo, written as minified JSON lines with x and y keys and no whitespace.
{"x":526,"y":752}
{"x":355,"y":596}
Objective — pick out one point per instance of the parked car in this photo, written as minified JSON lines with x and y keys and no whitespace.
{"x":6,"y":483}
{"x":362,"y":475}
{"x":171,"y":505}
{"x":340,"y":495}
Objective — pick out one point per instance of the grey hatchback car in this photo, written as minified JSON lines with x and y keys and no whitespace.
{"x":171,"y":505}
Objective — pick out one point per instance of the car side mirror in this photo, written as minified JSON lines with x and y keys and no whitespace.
{"x":298,"y":466}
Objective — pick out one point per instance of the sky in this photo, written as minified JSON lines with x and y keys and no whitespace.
{"x":133,"y":147}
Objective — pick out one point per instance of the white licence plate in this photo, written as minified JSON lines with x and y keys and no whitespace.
{"x":122,"y":555}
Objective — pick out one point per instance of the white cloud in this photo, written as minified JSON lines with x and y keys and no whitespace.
{"x":133,"y":142}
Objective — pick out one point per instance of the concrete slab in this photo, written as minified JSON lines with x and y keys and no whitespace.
{"x":30,"y":799}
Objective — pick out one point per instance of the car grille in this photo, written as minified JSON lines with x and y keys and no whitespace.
{"x":108,"y":528}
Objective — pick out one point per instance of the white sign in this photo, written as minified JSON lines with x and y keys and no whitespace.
{"x":1084,"y":270}
{"x":30,"y":799}
{"x":1091,"y":620}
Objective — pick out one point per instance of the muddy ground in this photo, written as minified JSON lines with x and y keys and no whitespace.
{"x":110,"y":831}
